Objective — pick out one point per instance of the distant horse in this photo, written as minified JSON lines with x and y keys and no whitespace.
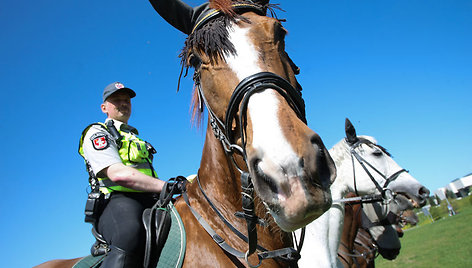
{"x":363,"y":167}
{"x":408,"y":217}
{"x":370,"y":229}
{"x":352,"y":223}
{"x":257,"y":138}
{"x":381,"y":238}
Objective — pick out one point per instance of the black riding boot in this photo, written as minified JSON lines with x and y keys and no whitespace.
{"x":118,"y":258}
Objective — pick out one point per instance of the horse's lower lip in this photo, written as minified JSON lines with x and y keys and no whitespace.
{"x":411,"y":200}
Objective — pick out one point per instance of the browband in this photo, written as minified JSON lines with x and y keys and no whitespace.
{"x":205,"y":17}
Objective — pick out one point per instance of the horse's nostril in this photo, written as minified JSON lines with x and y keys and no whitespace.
{"x":316,"y":140}
{"x":424,"y":192}
{"x":324,"y":169}
{"x":301,"y":163}
{"x":266,"y":179}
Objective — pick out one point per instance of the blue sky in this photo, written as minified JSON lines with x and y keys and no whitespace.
{"x":400,"y":70}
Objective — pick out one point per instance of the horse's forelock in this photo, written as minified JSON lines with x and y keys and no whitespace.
{"x":226,"y":7}
{"x":372,"y":140}
{"x":212,"y":40}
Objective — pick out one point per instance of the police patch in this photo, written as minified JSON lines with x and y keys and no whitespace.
{"x":100,"y":141}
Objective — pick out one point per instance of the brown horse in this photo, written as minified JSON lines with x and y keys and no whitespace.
{"x":367,"y":248}
{"x":256,"y":127}
{"x":352,"y":222}
{"x":359,"y":246}
{"x":356,"y":248}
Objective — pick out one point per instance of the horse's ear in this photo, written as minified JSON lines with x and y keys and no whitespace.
{"x":351,"y":135}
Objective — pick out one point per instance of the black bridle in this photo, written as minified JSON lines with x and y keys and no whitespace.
{"x":239,"y":101}
{"x":383,"y":189}
{"x":386,"y":194}
{"x":223,"y":131}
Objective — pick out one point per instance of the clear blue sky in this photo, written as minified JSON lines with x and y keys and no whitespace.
{"x":400,"y":70}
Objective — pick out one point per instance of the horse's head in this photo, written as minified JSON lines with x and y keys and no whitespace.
{"x":247,"y":81}
{"x":409,"y":217}
{"x":380,"y":221}
{"x":375,"y":171}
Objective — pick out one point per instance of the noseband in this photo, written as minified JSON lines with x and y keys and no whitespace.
{"x":239,"y":101}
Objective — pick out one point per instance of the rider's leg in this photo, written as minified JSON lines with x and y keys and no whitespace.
{"x":121,"y":226}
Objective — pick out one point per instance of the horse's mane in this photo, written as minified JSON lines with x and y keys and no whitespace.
{"x":339,"y":152}
{"x":212,"y":38}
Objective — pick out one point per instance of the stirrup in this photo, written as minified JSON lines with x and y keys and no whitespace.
{"x":100,"y":247}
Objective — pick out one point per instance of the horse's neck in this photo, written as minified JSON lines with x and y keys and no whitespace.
{"x":323,"y":235}
{"x":218,"y":177}
{"x":344,"y":171}
{"x":322,"y":239}
{"x":350,"y":229}
{"x":364,"y":245}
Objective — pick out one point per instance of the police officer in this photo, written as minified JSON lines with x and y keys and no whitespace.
{"x":122,"y":163}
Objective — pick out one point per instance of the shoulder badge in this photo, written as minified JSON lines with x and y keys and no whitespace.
{"x":100,"y":141}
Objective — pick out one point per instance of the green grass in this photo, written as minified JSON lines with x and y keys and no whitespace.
{"x":445,"y":243}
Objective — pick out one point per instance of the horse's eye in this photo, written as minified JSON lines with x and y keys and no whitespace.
{"x":194,"y":60}
{"x":377,"y":152}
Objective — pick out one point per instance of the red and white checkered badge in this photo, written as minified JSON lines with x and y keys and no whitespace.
{"x":119,"y":85}
{"x":100,"y":142}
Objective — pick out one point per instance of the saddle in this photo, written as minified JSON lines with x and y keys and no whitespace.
{"x":161,"y":222}
{"x":157,"y":222}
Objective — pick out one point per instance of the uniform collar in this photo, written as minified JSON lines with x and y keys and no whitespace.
{"x":123,"y":126}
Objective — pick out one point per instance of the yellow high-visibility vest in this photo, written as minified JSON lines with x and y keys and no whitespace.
{"x":133,"y":152}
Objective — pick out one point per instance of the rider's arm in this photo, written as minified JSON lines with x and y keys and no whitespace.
{"x":102,"y":154}
{"x":130,"y":177}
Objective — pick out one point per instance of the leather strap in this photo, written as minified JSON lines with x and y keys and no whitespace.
{"x":239,"y":8}
{"x":289,"y":255}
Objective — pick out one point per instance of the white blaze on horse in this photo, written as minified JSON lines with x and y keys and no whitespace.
{"x":366,"y":168}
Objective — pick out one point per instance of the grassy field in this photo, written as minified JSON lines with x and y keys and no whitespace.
{"x":445,"y":243}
